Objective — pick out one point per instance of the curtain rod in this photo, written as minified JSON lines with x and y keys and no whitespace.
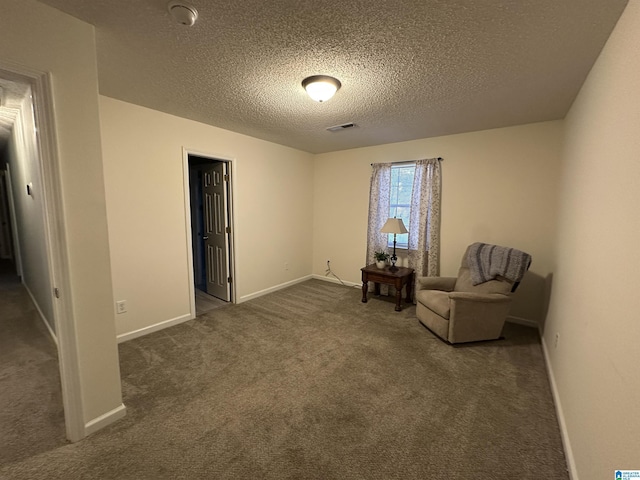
{"x":410,"y":161}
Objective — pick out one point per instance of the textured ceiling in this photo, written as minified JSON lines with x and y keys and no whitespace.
{"x":409,"y":69}
{"x":11,"y":95}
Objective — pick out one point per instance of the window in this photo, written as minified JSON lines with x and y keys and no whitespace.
{"x":400,"y":199}
{"x":410,"y":191}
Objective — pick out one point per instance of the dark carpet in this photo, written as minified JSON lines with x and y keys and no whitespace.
{"x":310,"y":383}
{"x":31,"y":412}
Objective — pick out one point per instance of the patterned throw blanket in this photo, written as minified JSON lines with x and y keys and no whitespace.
{"x":487,"y":262}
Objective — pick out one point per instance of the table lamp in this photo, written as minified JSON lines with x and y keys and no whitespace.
{"x":396,"y":226}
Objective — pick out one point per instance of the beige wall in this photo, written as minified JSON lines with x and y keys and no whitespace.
{"x":146,"y":208}
{"x":499,"y":186}
{"x":47,"y":40}
{"x":595,"y":302}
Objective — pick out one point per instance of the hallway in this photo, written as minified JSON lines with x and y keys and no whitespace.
{"x":31,"y":411}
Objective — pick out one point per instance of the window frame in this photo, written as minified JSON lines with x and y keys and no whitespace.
{"x":401,"y":244}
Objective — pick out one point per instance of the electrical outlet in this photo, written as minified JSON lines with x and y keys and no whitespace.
{"x":556,"y":340}
{"x":121,"y":306}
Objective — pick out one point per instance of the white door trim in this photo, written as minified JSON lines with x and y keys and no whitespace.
{"x":187,"y":214}
{"x":55,"y":241}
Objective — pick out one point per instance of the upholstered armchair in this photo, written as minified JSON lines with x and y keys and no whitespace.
{"x":458,"y":311}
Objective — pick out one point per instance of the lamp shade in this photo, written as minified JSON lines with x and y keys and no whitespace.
{"x":321,"y":87}
{"x":394,"y":225}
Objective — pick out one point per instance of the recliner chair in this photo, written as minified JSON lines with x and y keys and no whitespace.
{"x":458,"y":311}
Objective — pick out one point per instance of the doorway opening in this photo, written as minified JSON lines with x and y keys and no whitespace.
{"x":210,"y":194}
{"x":6,"y":219}
{"x":33,"y":241}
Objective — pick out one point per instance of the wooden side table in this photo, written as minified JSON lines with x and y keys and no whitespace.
{"x":400,"y":277}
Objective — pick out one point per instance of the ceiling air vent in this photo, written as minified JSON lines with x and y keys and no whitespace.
{"x":344,"y":126}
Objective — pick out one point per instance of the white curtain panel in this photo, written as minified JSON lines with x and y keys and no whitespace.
{"x":424,"y":231}
{"x":379,"y":199}
{"x":424,"y":228}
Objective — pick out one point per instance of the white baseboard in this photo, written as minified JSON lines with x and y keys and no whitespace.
{"x":275,"y":288}
{"x":105,"y":419}
{"x":524,"y":321}
{"x":564,"y":433}
{"x":42,"y":317}
{"x":335,"y":280}
{"x":123,"y":337}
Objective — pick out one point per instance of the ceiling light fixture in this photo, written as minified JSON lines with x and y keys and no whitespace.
{"x":321,"y":87}
{"x":183,"y":13}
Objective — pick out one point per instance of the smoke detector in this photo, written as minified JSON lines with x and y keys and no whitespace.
{"x":183,"y":13}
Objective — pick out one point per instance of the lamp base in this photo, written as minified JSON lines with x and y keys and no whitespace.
{"x":394,"y":259}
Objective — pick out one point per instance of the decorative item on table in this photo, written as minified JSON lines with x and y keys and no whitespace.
{"x":381,"y":259}
{"x":396,"y":226}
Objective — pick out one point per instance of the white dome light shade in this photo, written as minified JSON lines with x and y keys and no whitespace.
{"x":321,"y":87}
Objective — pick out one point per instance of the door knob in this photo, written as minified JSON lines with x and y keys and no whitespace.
{"x":205,"y":238}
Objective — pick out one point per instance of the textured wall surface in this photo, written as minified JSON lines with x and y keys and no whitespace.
{"x":272,"y":204}
{"x":595,"y":302}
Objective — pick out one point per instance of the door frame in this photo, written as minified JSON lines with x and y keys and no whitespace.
{"x":188,"y":231}
{"x":55,"y":242}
